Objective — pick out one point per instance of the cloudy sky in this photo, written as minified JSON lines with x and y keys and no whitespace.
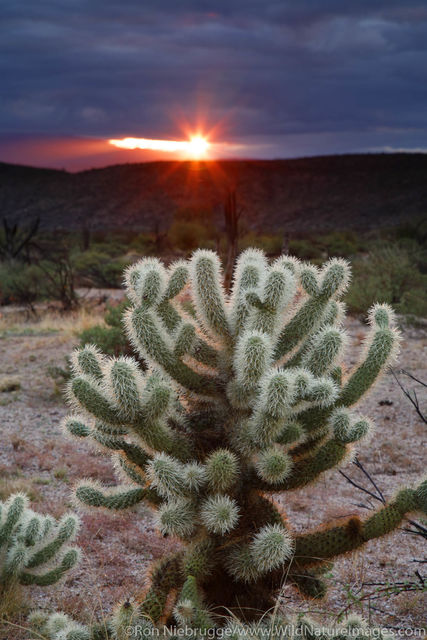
{"x":264,"y":78}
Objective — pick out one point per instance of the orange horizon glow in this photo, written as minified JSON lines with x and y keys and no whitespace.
{"x":196,"y":147}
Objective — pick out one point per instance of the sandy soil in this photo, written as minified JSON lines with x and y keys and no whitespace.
{"x":36,"y":456}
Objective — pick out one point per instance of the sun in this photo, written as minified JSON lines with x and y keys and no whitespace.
{"x":198,"y":146}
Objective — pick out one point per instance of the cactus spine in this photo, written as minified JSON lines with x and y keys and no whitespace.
{"x":243,"y":398}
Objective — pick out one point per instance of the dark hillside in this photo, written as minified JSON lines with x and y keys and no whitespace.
{"x":310,"y":194}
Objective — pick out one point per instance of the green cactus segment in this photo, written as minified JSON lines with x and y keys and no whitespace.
{"x":165,"y":576}
{"x":278,"y":291}
{"x":198,"y":559}
{"x":66,"y":531}
{"x":189,"y":611}
{"x":324,"y":350}
{"x":352,"y":534}
{"x":31,"y":541}
{"x":93,"y":496}
{"x":209,"y":297}
{"x":421,"y":497}
{"x":270,"y":547}
{"x":244,"y":396}
{"x":77,"y":427}
{"x":219,"y":514}
{"x":248,"y":275}
{"x":381,"y":348}
{"x":221,"y":469}
{"x":331,"y":282}
{"x":89,"y":395}
{"x":88,"y":361}
{"x":68,"y":561}
{"x":152,"y":344}
{"x":306,"y":470}
{"x":179,"y":275}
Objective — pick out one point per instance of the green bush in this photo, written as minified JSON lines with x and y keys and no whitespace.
{"x":340,"y":243}
{"x":270,"y":243}
{"x":20,"y":284}
{"x":189,"y":235}
{"x":143,"y":244}
{"x":110,"y":338}
{"x":192,"y":227}
{"x":318,"y":247}
{"x":97,"y":268}
{"x":389,"y":274}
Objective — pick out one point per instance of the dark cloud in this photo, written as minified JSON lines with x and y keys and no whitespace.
{"x":285,"y":77}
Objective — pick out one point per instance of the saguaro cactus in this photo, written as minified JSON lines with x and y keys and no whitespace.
{"x":245,"y":396}
{"x":34,"y":548}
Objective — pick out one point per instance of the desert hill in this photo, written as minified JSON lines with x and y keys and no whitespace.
{"x":311,"y":194}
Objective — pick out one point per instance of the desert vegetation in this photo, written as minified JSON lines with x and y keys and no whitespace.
{"x":231,"y":400}
{"x":388,"y":266}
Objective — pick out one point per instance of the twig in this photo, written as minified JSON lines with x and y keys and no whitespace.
{"x":410,"y":375}
{"x":358,"y":486}
{"x":360,"y":466}
{"x":412,"y":399}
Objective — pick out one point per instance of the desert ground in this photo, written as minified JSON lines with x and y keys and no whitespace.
{"x":37,"y":457}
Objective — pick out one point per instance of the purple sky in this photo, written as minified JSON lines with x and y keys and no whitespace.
{"x":270,"y":78}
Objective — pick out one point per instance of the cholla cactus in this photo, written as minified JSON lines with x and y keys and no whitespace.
{"x":34,"y":547}
{"x":245,"y":396}
{"x":127,"y":622}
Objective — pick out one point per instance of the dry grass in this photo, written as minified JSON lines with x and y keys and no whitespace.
{"x":9,"y":383}
{"x":15,"y":484}
{"x":69,"y":324}
{"x":13,"y":603}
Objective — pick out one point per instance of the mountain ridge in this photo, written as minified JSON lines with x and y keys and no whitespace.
{"x":348,"y":191}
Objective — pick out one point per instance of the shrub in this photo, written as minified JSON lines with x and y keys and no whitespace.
{"x":20,"y":284}
{"x":390,"y":274}
{"x":97,"y":268}
{"x":306,"y":249}
{"x":186,"y":235}
{"x":109,"y":338}
{"x":192,"y":227}
{"x":248,"y":399}
{"x":270,"y":243}
{"x":341,"y":243}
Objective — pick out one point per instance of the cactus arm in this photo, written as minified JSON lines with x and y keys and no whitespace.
{"x":208,"y":294}
{"x":327,"y":316}
{"x":88,"y":361}
{"x":189,"y":610}
{"x":117,"y":499}
{"x":323,"y":544}
{"x":66,"y":532}
{"x":324,"y":350}
{"x":14,"y":510}
{"x":148,"y":339}
{"x":306,"y":470}
{"x":169,"y":316}
{"x":166,"y":575}
{"x":330,"y":283}
{"x":87,"y":392}
{"x":205,"y":353}
{"x":248,"y":275}
{"x":382,"y":345}
{"x":69,"y":560}
{"x":302,"y":324}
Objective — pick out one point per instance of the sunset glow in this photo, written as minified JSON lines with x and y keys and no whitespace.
{"x":196,"y":147}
